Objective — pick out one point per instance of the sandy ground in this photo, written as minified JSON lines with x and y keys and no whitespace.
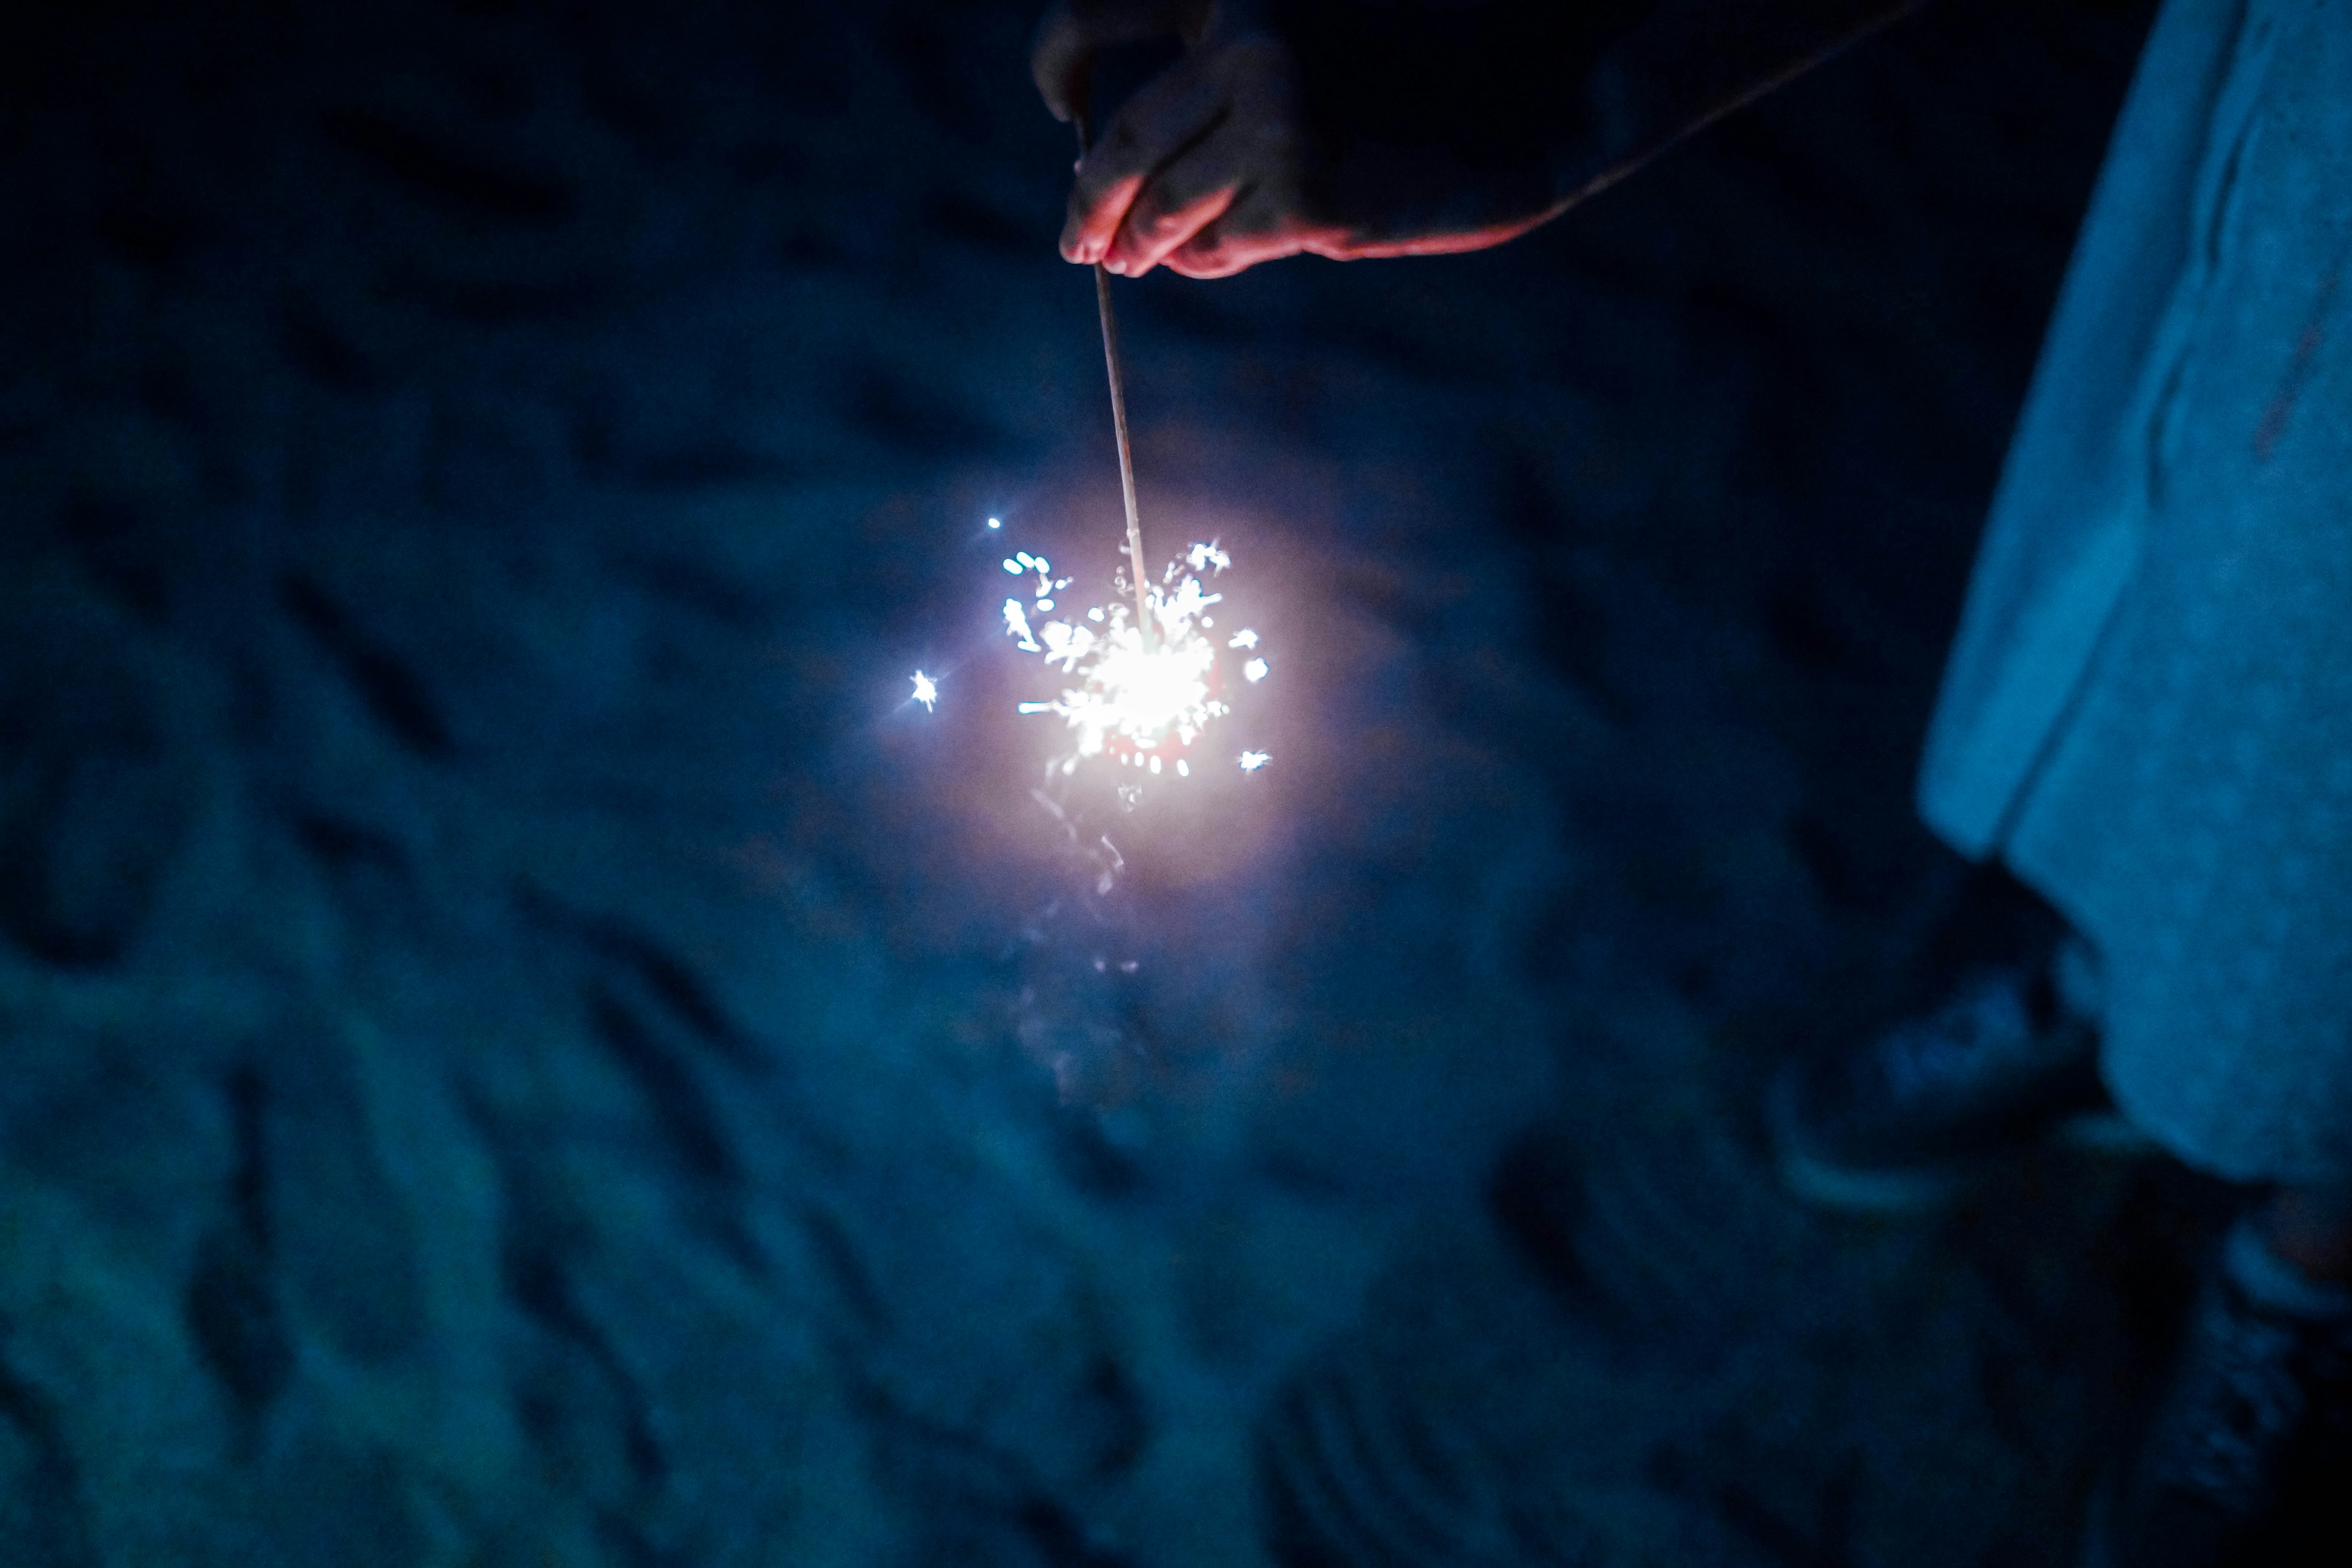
{"x":524,"y":1047}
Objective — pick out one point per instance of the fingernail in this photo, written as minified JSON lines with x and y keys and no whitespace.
{"x":1119,"y":266}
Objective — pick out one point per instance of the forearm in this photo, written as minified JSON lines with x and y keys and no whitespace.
{"x":1465,"y":120}
{"x":1690,"y":62}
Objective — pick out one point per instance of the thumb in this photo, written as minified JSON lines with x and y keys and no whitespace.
{"x":1074,"y":31}
{"x":1059,"y":58}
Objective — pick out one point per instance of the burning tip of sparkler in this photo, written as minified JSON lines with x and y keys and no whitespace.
{"x":927,"y":691}
{"x":996,"y":522}
{"x":1145,"y":681}
{"x":1252,"y":760}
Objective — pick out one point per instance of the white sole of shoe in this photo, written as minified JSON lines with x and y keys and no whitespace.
{"x":1892,"y":1192}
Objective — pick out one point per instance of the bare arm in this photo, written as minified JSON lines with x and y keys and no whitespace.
{"x":1365,"y":128}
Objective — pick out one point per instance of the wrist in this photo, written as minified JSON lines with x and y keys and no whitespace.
{"x":1433,"y":127}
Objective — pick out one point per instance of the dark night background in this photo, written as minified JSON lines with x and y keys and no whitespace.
{"x":521,"y":1047}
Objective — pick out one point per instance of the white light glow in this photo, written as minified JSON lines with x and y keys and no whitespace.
{"x":1252,"y":760}
{"x":1140,"y":695}
{"x":927,"y":691}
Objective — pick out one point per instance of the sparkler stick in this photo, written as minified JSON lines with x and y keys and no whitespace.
{"x":1118,"y":424}
{"x":1138,"y":696}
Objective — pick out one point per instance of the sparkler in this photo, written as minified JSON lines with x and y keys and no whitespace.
{"x":1118,"y":421}
{"x":1147,"y":683}
{"x":1148,"y":677}
{"x":1145,"y":689}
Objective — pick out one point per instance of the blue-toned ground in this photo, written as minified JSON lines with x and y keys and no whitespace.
{"x":523,"y":1045}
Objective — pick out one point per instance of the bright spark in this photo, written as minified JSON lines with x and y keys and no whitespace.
{"x":1243,"y":639}
{"x":927,"y":691}
{"x":1252,"y":760}
{"x":996,"y":522}
{"x":1136,"y":699}
{"x":1254,"y":671}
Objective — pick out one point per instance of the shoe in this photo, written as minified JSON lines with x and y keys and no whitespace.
{"x":2267,"y":1348}
{"x":1908,"y":1121}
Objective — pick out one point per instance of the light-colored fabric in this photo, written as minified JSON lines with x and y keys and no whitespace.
{"x":2148,"y":712}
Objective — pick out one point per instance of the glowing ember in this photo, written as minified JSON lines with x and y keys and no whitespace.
{"x":927,"y":690}
{"x":1140,"y":700}
{"x":1252,"y":760}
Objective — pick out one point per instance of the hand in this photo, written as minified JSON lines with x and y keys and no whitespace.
{"x":1354,"y":130}
{"x":1211,"y":168}
{"x":1200,"y":170}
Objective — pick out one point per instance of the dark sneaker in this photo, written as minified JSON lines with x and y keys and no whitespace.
{"x":1908,"y":1120}
{"x":2266,"y":1347}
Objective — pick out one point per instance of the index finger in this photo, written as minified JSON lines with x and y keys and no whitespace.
{"x":1155,"y":127}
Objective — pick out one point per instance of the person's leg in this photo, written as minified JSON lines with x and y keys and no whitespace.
{"x":2269,"y":1340}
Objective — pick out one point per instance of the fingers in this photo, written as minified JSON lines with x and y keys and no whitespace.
{"x":1232,"y":198}
{"x":1259,"y":225}
{"x":1182,"y":200}
{"x":1157,"y":126}
{"x":1201,"y":170}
